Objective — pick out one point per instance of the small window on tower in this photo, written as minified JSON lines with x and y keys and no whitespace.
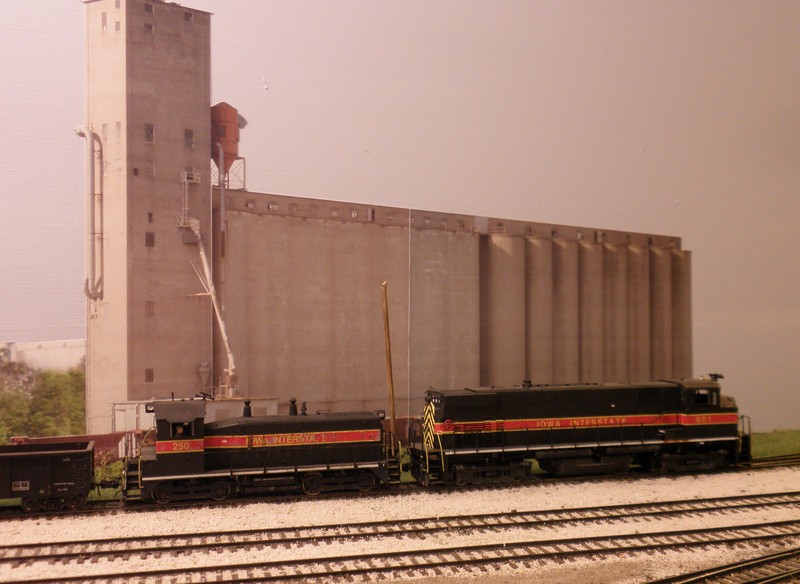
{"x":188,"y":16}
{"x":119,"y":131}
{"x":149,"y":134}
{"x":188,"y":138}
{"x":149,"y":307}
{"x":150,"y":239}
{"x":149,"y":376}
{"x":104,"y":133}
{"x":149,"y":29}
{"x":148,"y":8}
{"x":104,"y":21}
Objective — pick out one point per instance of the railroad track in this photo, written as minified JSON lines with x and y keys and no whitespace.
{"x":445,"y":561}
{"x":117,"y":506}
{"x":779,"y":567}
{"x":775,"y":461}
{"x":500,"y":525}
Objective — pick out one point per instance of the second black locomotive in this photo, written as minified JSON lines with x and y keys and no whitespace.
{"x":490,"y":434}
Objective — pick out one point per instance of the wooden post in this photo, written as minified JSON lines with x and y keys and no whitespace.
{"x":389,"y":379}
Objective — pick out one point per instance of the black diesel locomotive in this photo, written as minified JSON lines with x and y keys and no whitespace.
{"x":464,"y":436}
{"x":490,"y":434}
{"x":194,"y":459}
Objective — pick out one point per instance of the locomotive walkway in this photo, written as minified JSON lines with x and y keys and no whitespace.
{"x":421,"y":540}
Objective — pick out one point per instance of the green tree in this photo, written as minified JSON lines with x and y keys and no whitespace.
{"x":57,"y":406}
{"x":14,"y":409}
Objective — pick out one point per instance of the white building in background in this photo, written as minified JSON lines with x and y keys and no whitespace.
{"x":55,"y":355}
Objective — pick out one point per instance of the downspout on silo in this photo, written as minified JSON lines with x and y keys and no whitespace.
{"x":93,"y":284}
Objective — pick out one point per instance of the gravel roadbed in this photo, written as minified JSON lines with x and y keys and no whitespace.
{"x":537,"y":495}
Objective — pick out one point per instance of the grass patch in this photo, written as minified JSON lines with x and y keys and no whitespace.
{"x":776,"y":443}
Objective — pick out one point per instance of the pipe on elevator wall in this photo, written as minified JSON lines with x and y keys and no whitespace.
{"x":222,"y":175}
{"x":93,"y":285}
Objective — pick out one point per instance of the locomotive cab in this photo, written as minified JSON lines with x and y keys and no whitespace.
{"x":179,"y":447}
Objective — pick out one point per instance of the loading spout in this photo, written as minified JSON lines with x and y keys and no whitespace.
{"x":229,"y":383}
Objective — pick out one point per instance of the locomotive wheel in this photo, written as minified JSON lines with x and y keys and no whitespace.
{"x":365,"y":480}
{"x":220,"y":491}
{"x":162,"y":494}
{"x":31,"y":505}
{"x":462,"y":475}
{"x":312,"y":483}
{"x":75,"y":502}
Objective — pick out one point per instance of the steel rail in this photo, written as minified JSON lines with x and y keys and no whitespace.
{"x":731,"y":572}
{"x":448,"y":558}
{"x":68,"y":550}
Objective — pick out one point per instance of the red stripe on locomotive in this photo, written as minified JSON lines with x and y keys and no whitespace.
{"x":451,"y":427}
{"x":292,"y":439}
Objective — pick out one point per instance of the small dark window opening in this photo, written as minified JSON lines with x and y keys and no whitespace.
{"x":148,"y":8}
{"x":181,"y":429}
{"x":188,"y":138}
{"x":705,"y":397}
{"x":149,"y":134}
{"x":149,"y":217}
{"x":188,"y":16}
{"x":150,"y":239}
{"x":149,"y":308}
{"x":149,"y":375}
{"x":220,"y":131}
{"x":149,"y":29}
